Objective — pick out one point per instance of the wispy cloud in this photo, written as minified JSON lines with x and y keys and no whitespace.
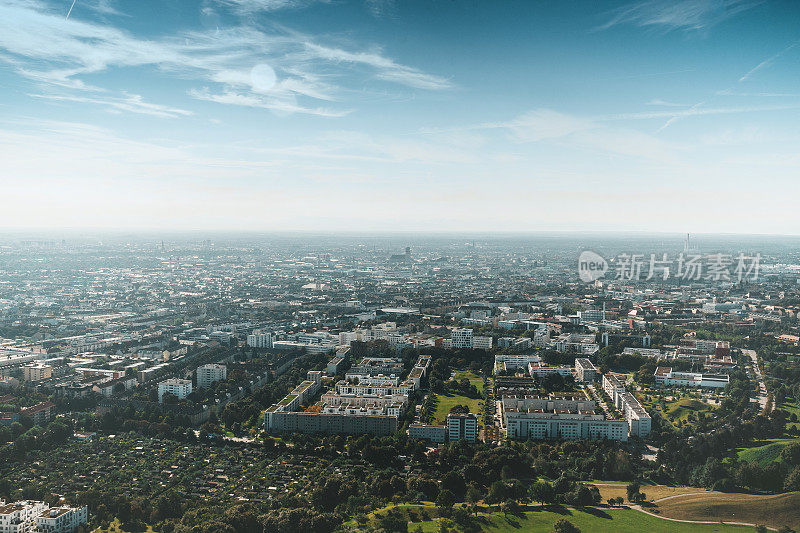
{"x":286,"y":105}
{"x":44,"y":47}
{"x":545,"y":124}
{"x":255,"y":6}
{"x":381,"y":8}
{"x":677,"y":14}
{"x":583,"y":133}
{"x":387,"y":69}
{"x":767,"y":62}
{"x":660,"y":102}
{"x":697,"y":109}
{"x":132,"y":103}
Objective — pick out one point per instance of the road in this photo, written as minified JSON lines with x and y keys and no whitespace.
{"x":762,"y":387}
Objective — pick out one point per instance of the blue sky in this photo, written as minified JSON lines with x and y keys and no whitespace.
{"x":443,"y":115}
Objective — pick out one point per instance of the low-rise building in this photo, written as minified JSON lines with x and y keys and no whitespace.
{"x":541,"y":370}
{"x":429,"y":432}
{"x":667,"y":377}
{"x":504,"y":362}
{"x":378,"y":365}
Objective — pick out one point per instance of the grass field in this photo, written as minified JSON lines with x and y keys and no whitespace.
{"x":680,"y":410}
{"x":473,"y":378}
{"x":653,"y":492}
{"x":766,"y":452}
{"x":599,"y":520}
{"x":791,"y":408}
{"x":775,"y":510}
{"x":446,"y":401}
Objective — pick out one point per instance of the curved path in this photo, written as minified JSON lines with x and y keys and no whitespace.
{"x":724,"y":522}
{"x":685,"y":494}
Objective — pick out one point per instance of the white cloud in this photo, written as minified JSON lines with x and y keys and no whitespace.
{"x":132,"y":103}
{"x":387,"y":69}
{"x":546,"y":124}
{"x":585,"y":134}
{"x":660,"y":102}
{"x":698,"y":110}
{"x":284,"y":105}
{"x":254,"y":6}
{"x":678,"y":14}
{"x":767,"y":62}
{"x":46,"y":48}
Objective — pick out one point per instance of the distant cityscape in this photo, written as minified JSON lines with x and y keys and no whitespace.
{"x":287,"y":351}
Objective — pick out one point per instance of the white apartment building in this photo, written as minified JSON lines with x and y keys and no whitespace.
{"x":665,"y":376}
{"x":592,"y":315}
{"x":558,"y":418}
{"x":548,"y":425}
{"x":512,"y":361}
{"x":62,"y":519}
{"x":462,"y":426}
{"x":461,"y":338}
{"x":644,"y":352}
{"x":360,"y":400}
{"x":613,"y":387}
{"x":585,"y":371}
{"x":433,"y":433}
{"x":576,"y":342}
{"x":223,"y":337}
{"x":379,"y":380}
{"x":346,"y":338}
{"x":482,"y":343}
{"x":541,"y":370}
{"x":207,"y":375}
{"x":20,"y":517}
{"x":257,"y":339}
{"x":638,"y":420}
{"x":179,"y":387}
{"x":343,"y":387}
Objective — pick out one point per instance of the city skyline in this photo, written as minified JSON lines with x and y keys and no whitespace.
{"x":270,"y":115}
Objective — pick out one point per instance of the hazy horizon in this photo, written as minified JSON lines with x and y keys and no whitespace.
{"x":380,"y":115}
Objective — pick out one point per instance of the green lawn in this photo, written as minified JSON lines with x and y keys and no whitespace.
{"x":447,"y":401}
{"x":599,"y":520}
{"x":791,"y":408}
{"x":473,"y":378}
{"x":680,"y":410}
{"x":766,"y":452}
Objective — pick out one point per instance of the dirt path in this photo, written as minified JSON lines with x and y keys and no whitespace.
{"x":686,"y":494}
{"x":746,"y":524}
